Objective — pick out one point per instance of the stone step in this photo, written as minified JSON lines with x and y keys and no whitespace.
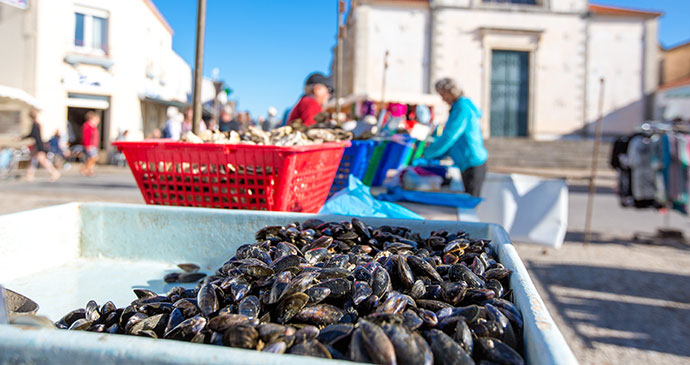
{"x":546,"y":154}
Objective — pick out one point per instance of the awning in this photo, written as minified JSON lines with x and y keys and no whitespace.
{"x":174,"y":103}
{"x":13,"y":94}
{"x":88,"y":101}
{"x":207,"y":110}
{"x":392,"y":97}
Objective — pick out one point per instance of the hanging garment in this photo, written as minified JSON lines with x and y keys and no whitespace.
{"x":410,"y":114}
{"x":680,"y":202}
{"x":669,"y":165}
{"x":423,"y":114}
{"x":645,"y":155}
{"x":356,"y":109}
{"x":397,"y":110}
{"x":619,"y":151}
{"x":619,"y":161}
{"x":674,"y":171}
{"x":368,"y":108}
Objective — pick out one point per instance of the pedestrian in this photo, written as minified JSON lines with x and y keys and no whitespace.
{"x":212,"y":124}
{"x":271,"y":121}
{"x":57,"y":145}
{"x":245,"y":120}
{"x":187,"y":122}
{"x":462,"y":137}
{"x":91,"y":139}
{"x":39,"y":151}
{"x":317,"y":91}
{"x":227,"y":123}
{"x":173,"y":126}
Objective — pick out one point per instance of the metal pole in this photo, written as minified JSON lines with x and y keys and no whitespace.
{"x":218,"y":85}
{"x":198,"y":64}
{"x":4,"y":312}
{"x":339,"y":59}
{"x":383,"y":91}
{"x":595,"y":162}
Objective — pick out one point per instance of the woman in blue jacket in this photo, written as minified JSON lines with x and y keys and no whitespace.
{"x":462,"y":137}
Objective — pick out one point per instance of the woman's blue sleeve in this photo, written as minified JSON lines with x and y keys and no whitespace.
{"x":455,"y":127}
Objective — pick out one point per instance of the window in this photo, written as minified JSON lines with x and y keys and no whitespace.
{"x":527,"y":2}
{"x":91,"y":31}
{"x":79,"y":31}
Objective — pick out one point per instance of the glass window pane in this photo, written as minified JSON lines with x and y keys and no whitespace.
{"x":529,"y":2}
{"x":79,"y":30}
{"x":100,"y":33}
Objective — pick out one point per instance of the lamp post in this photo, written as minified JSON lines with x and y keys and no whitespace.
{"x":339,"y":58}
{"x":198,"y":64}
{"x":218,"y":85}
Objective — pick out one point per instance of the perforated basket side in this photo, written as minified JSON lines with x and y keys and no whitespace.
{"x":233,"y":176}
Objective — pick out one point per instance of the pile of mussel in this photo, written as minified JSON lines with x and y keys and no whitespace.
{"x":340,"y":290}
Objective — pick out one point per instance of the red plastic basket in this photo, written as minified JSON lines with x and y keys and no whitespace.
{"x":291,"y":179}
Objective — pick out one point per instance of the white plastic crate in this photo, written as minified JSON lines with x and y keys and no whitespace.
{"x":63,"y":256}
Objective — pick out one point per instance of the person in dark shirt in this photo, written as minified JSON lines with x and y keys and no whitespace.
{"x":227,"y":123}
{"x":317,"y":91}
{"x":39,"y":151}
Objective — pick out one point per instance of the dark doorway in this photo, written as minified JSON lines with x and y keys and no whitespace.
{"x":509,"y":93}
{"x":76,"y":118}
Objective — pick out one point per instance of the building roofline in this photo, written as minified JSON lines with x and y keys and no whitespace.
{"x":619,"y":11}
{"x":390,"y":2}
{"x":675,"y":84}
{"x":158,"y":15}
{"x":356,"y":3}
{"x":677,"y":46}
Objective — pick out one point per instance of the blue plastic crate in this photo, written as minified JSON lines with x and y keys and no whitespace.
{"x":354,"y":162}
{"x":396,"y":156}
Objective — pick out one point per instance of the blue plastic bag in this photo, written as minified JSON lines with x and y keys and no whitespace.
{"x":356,"y":200}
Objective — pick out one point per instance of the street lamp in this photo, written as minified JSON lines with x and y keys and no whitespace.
{"x":198,"y":64}
{"x":218,"y":85}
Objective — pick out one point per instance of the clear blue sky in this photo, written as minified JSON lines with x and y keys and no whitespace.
{"x":266,"y":48}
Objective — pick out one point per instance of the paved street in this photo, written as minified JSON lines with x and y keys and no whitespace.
{"x":110,"y":184}
{"x":616,"y":301}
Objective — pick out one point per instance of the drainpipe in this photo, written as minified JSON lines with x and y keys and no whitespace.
{"x":432,"y":49}
{"x":585,"y":129}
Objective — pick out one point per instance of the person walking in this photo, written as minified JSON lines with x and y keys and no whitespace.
{"x":58,"y":147}
{"x":317,"y":91}
{"x":173,"y":126}
{"x":462,"y":137}
{"x":271,"y":121}
{"x":187,"y":123}
{"x":39,"y":151}
{"x":91,"y":139}
{"x":227,"y":122}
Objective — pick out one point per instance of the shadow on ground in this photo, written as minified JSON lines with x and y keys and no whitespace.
{"x":585,"y":189}
{"x":639,"y":309}
{"x":637,"y":238}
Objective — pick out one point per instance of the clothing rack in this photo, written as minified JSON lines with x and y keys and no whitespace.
{"x":653,"y":167}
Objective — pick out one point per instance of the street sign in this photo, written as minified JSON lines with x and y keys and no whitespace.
{"x":22,"y":4}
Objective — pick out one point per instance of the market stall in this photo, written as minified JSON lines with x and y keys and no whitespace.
{"x":148,"y":284}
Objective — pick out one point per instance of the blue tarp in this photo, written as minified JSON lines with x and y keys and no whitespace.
{"x":459,"y":200}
